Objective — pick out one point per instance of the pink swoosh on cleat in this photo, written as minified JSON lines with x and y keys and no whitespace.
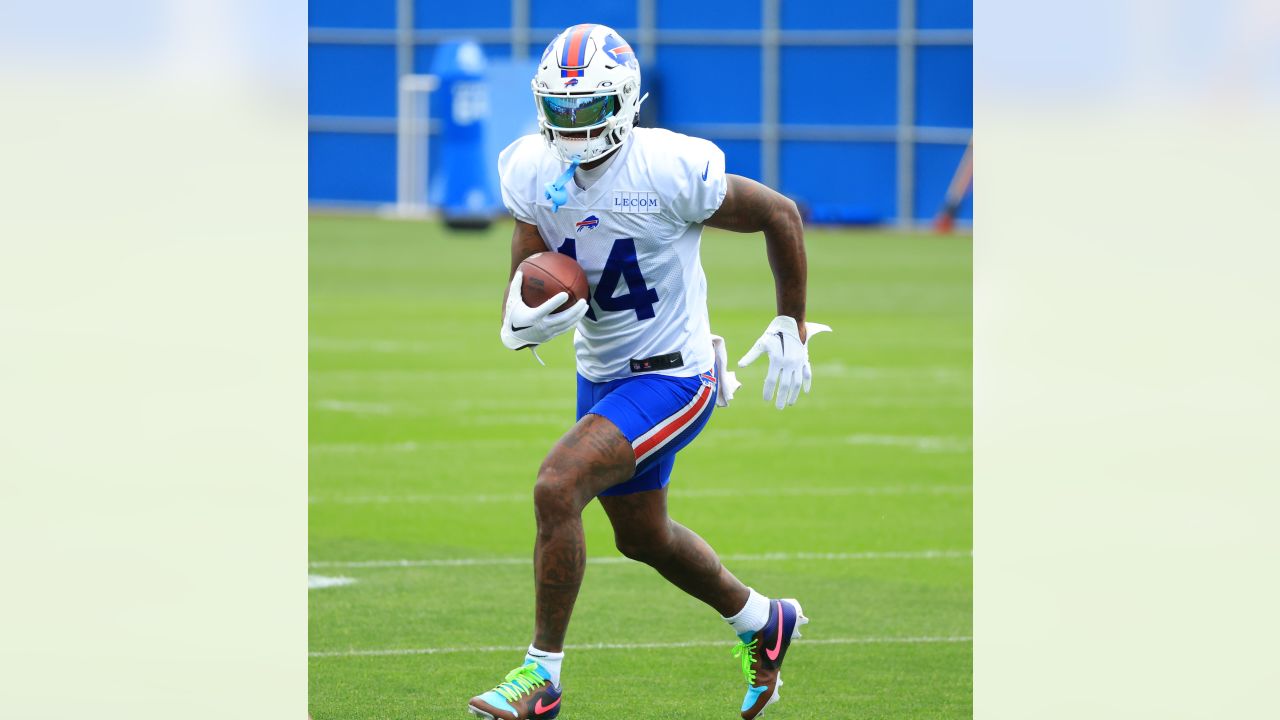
{"x":773,"y":654}
{"x":538,"y":707}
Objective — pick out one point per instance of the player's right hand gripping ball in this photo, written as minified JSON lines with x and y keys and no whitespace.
{"x":525,"y":326}
{"x":547,"y":273}
{"x":789,"y":369}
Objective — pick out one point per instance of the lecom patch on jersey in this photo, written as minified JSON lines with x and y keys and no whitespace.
{"x":635,"y":202}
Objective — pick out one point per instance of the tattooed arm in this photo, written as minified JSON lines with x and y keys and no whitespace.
{"x":525,"y":241}
{"x":751,"y":207}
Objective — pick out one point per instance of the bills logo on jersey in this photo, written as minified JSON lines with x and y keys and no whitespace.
{"x":619,"y":50}
{"x":588,"y":223}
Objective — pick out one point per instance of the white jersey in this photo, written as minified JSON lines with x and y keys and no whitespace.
{"x":636,"y":232}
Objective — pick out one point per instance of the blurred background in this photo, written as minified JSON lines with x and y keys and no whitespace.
{"x":859,"y":111}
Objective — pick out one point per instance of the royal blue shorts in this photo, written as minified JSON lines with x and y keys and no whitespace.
{"x":658,"y":414}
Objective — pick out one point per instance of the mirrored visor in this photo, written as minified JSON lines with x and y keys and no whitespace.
{"x":578,"y":112}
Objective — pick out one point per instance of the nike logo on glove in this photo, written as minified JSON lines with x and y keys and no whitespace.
{"x":518,"y":329}
{"x":539,"y":708}
{"x":782,"y":340}
{"x":706,"y":170}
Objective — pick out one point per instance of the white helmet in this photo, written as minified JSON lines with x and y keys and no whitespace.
{"x":588,"y":84}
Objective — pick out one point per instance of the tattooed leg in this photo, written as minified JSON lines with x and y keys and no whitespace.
{"x":643,"y":531}
{"x":592,"y":456}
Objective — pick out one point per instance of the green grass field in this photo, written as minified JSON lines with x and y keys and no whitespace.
{"x":426,"y":435}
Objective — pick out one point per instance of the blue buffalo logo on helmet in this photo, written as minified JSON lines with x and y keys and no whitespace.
{"x":619,"y":50}
{"x":589,"y":223}
{"x":571,"y":82}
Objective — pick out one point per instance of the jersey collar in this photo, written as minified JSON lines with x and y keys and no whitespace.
{"x":584,"y":199}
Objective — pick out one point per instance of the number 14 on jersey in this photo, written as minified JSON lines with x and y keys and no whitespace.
{"x":622,"y":264}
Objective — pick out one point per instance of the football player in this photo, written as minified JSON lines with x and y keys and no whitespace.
{"x":629,"y":205}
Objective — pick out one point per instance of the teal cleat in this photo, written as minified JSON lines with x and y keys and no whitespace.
{"x":525,"y":694}
{"x":762,"y":654}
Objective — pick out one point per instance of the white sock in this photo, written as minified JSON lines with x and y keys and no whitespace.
{"x":753,"y":616}
{"x":551,"y":661}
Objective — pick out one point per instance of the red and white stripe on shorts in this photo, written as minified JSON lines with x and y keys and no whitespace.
{"x":669,"y":429}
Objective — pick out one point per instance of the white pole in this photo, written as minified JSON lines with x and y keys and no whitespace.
{"x":413,"y":144}
{"x":906,"y":150}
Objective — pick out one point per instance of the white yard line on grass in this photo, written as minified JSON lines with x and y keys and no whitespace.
{"x":321,"y":581}
{"x":481,"y":418}
{"x":618,"y":560}
{"x":376,"y":346}
{"x":695,"y":493}
{"x":637,"y":646}
{"x":917,"y":443}
{"x":409,"y":446}
{"x":360,"y":408}
{"x":823,"y":491}
{"x":424,"y":376}
{"x":941,"y":374}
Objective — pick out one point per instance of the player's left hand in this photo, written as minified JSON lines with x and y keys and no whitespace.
{"x":789,"y":369}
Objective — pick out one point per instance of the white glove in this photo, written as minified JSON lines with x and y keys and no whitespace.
{"x":788,"y":359}
{"x":728,"y":383}
{"x":524,"y":326}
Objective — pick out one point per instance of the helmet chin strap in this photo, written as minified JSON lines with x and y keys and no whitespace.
{"x":555,"y":189}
